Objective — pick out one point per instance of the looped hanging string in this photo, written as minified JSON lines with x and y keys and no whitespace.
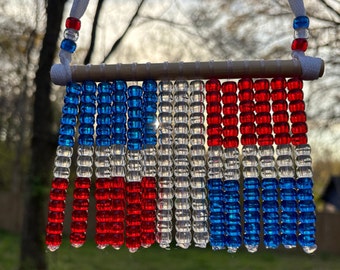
{"x":297,"y":7}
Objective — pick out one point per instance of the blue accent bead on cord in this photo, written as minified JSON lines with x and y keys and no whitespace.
{"x":301,"y":22}
{"x":68,"y":45}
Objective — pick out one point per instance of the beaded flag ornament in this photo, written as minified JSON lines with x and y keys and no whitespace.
{"x":211,"y":153}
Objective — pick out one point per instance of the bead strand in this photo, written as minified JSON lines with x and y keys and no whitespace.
{"x":149,"y":192}
{"x":134,"y":168}
{"x":84,"y":163}
{"x":118,"y":161}
{"x":198,"y":165}
{"x":231,"y":185}
{"x":303,"y":162}
{"x":251,"y":182}
{"x":165,"y":165}
{"x":62,"y":164}
{"x":215,"y":165}
{"x":270,"y":206}
{"x":103,"y":170}
{"x":287,"y":183}
{"x":301,"y":34}
{"x":181,"y":165}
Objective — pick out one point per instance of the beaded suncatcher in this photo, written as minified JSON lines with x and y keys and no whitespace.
{"x":198,"y":154}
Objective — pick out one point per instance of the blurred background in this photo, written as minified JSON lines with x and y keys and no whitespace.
{"x":125,"y":31}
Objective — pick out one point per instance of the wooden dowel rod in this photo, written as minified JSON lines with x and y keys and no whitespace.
{"x":188,"y":70}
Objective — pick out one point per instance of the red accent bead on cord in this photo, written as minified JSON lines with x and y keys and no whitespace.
{"x":300,"y":44}
{"x":73,"y":23}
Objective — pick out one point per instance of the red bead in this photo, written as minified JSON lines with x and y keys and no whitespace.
{"x":262,"y":95}
{"x":230,"y":131}
{"x":278,"y":83}
{"x":263,"y":129}
{"x":103,"y":216}
{"x":248,"y":139}
{"x":213,"y":85}
{"x":80,"y":204}
{"x":215,"y":140}
{"x":230,"y":142}
{"x":103,"y":239}
{"x":148,"y":226}
{"x":148,"y":182}
{"x":117,"y":240}
{"x":149,"y":204}
{"x":263,"y":118}
{"x":132,"y":232}
{"x":280,"y":105}
{"x":147,"y":238}
{"x":281,"y":127}
{"x":133,"y":220}
{"x":297,"y":106}
{"x":149,"y":194}
{"x":245,"y":84}
{"x":299,"y":128}
{"x":103,"y":205}
{"x":103,"y":227}
{"x":230,"y":120}
{"x":261,"y":107}
{"x":214,"y":108}
{"x":118,"y":204}
{"x":81,"y":193}
{"x":53,"y":240}
{"x":73,"y":23}
{"x":55,"y":217}
{"x":230,"y":109}
{"x":283,"y":138}
{"x":82,"y":182}
{"x":117,"y":193}
{"x":280,"y":94}
{"x":59,"y":183}
{"x":118,"y":216}
{"x":229,"y":98}
{"x":79,"y":215}
{"x":133,"y":241}
{"x":54,"y":228}
{"x":246,"y":95}
{"x":214,"y":130}
{"x":134,"y":209}
{"x":56,"y":205}
{"x":118,"y":182}
{"x":229,"y":87}
{"x":149,"y":215}
{"x":213,"y":97}
{"x":296,"y":94}
{"x":103,"y":183}
{"x":102,"y":194}
{"x":77,"y":238}
{"x":214,"y":119}
{"x":295,"y":83}
{"x":247,"y":117}
{"x":300,"y":44}
{"x":133,"y":198}
{"x":247,"y":128}
{"x":280,"y":116}
{"x":262,"y":84}
{"x":297,"y":117}
{"x":266,"y":139}
{"x":78,"y":226}
{"x":117,"y":227}
{"x":133,"y":187}
{"x":298,"y":139}
{"x":58,"y":194}
{"x":247,"y":106}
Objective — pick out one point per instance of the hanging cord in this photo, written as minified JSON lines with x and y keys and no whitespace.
{"x":62,"y":72}
{"x":310,"y":65}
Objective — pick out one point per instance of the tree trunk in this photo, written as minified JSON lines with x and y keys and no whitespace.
{"x":42,"y":145}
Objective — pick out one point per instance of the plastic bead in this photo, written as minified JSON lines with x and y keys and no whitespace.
{"x":300,"y":44}
{"x":73,"y":23}
{"x":68,"y":45}
{"x":301,"y":22}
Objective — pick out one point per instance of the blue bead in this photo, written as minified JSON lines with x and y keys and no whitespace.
{"x":119,"y":96}
{"x":71,"y":99}
{"x":119,"y":85}
{"x":270,"y":206}
{"x":86,"y":118}
{"x":65,"y":140}
{"x":73,"y":88}
{"x":134,"y":144}
{"x":304,"y":183}
{"x":289,"y":239}
{"x":135,"y":102}
{"x":306,"y":206}
{"x":89,"y":87}
{"x":119,"y":107}
{"x":272,"y":241}
{"x":70,"y":109}
{"x":149,"y":130}
{"x":119,"y":119}
{"x":104,"y":87}
{"x":67,"y":130}
{"x":88,"y":98}
{"x":135,"y":91}
{"x":301,"y":22}
{"x":289,"y":217}
{"x":150,"y":97}
{"x":119,"y":139}
{"x":215,"y":184}
{"x":86,"y":129}
{"x":150,"y":107}
{"x":149,"y":86}
{"x":119,"y":128}
{"x":231,"y":185}
{"x":150,"y":118}
{"x":135,"y":123}
{"x":86,"y":140}
{"x":103,"y":140}
{"x":104,"y":98}
{"x":104,"y":119}
{"x":103,"y":130}
{"x":151,"y":140}
{"x":134,"y":134}
{"x":68,"y":119}
{"x":306,"y":240}
{"x":289,"y":206}
{"x":305,"y":194}
{"x":68,"y":45}
{"x":135,"y":113}
{"x":307,"y":217}
{"x":251,"y":183}
{"x":104,"y":108}
{"x":88,"y":108}
{"x":287,"y":183}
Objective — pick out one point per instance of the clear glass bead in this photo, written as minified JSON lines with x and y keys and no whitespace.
{"x":64,"y":151}
{"x":62,"y":161}
{"x":84,"y":171}
{"x":71,"y":34}
{"x":61,"y":172}
{"x":301,"y":33}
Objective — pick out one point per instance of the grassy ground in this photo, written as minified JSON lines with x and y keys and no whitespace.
{"x":89,"y":258}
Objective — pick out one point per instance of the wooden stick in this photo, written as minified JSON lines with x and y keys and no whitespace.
{"x":189,"y":70}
